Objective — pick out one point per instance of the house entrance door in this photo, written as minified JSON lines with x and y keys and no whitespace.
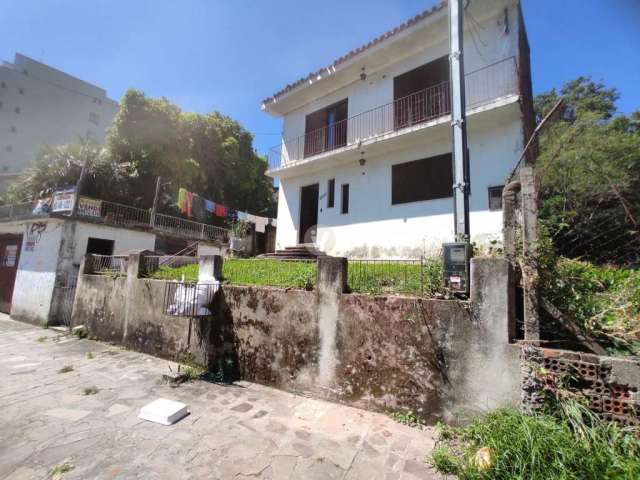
{"x":308,"y":213}
{"x":9,"y":257}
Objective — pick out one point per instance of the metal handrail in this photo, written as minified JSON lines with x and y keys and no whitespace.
{"x":482,"y":86}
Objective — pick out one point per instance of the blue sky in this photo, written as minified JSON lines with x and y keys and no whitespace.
{"x":229,"y":55}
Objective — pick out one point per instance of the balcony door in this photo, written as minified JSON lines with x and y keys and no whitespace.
{"x":326,"y":129}
{"x":421,"y":94}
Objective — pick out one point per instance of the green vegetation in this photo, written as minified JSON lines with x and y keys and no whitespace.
{"x":66,"y":369}
{"x":59,"y":470}
{"x":42,"y":339}
{"x":210,"y":154}
{"x":188,"y":272}
{"x":92,"y":390}
{"x":384,"y":277}
{"x":506,"y":444}
{"x":271,"y":273}
{"x":89,"y":355}
{"x":407,"y":417}
{"x":604,"y":300}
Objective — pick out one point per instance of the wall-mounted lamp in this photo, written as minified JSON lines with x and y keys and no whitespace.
{"x":362,"y":161}
{"x":363,"y":76}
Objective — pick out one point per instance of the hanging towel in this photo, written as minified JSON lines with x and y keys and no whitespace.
{"x":242,"y":216}
{"x":220,"y":210}
{"x":189,"y":205}
{"x":209,"y":206}
{"x":182,"y":200}
{"x":261,"y":222}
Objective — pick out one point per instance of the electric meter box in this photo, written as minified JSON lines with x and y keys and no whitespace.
{"x":456,"y":266}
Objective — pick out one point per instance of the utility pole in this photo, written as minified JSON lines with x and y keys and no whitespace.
{"x":457,"y":254}
{"x":156,"y":196}
{"x":458,"y":123}
{"x":74,"y":209}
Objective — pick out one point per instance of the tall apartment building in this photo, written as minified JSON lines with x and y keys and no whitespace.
{"x":365,"y":166}
{"x":40,"y":105}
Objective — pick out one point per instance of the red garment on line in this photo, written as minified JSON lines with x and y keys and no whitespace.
{"x":189,"y":204}
{"x":220,"y":211}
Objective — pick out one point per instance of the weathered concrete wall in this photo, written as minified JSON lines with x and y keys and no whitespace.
{"x":437,"y":357}
{"x":131,"y":314}
{"x":609,"y":385}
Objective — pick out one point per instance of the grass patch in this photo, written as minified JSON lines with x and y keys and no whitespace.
{"x":59,"y":470}
{"x":507,"y":444}
{"x":92,"y":390}
{"x":66,"y":369}
{"x":407,"y":417}
{"x":189,"y":272}
{"x":392,"y":277}
{"x":42,"y":339}
{"x":89,"y":355}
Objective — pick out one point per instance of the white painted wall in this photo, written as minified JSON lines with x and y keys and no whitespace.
{"x":376,"y":228}
{"x":55,"y":108}
{"x":36,"y":274}
{"x":124,"y":239}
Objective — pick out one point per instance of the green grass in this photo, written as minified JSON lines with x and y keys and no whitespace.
{"x":260,"y":272}
{"x":383,"y":277}
{"x":66,"y":369}
{"x":407,"y":417}
{"x":572,"y":444}
{"x":58,"y":471}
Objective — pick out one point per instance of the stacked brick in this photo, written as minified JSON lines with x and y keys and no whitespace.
{"x":610,"y":386}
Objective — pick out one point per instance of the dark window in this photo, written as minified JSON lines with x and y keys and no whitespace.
{"x":326,"y":129}
{"x":99,"y":246}
{"x":495,"y":197}
{"x":424,"y":179}
{"x":13,"y":129}
{"x":422,"y":93}
{"x":21,"y":91}
{"x":344,"y":208}
{"x":17,"y":109}
{"x":331,"y":193}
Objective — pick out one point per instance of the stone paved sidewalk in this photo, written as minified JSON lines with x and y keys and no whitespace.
{"x":239,"y":431}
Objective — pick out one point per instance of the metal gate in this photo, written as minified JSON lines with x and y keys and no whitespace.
{"x":66,"y":297}
{"x":10,"y":246}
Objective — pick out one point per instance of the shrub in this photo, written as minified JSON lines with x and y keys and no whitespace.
{"x":572,"y":444}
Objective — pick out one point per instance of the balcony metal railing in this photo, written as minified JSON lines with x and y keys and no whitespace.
{"x":18,"y":210}
{"x":482,"y":86}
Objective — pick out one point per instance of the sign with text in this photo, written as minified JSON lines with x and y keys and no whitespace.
{"x":89,"y":207}
{"x":63,"y":200}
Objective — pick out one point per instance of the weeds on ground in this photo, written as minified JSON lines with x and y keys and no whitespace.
{"x":66,"y":369}
{"x":89,"y":355}
{"x":42,"y":339}
{"x":92,"y":390}
{"x":570,"y":444}
{"x":412,"y":278}
{"x":57,"y":471}
{"x":407,"y":417}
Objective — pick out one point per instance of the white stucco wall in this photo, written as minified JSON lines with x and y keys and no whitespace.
{"x":36,"y":274}
{"x":484,"y":46}
{"x":376,"y":228}
{"x":124,"y":239}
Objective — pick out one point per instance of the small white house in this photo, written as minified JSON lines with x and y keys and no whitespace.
{"x":364,"y":166}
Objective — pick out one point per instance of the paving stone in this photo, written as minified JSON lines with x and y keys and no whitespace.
{"x":238,"y":431}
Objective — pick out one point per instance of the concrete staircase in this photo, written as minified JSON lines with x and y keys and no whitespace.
{"x":298,"y":252}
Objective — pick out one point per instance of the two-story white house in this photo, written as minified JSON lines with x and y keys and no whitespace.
{"x":365,"y":167}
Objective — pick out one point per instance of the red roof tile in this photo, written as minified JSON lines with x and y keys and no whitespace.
{"x":357,"y":51}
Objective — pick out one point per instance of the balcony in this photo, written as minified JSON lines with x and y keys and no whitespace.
{"x":483,"y":87}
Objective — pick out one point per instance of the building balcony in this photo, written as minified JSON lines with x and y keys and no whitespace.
{"x":486,"y":88}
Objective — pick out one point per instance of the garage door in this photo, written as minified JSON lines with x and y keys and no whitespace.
{"x":9,"y":258}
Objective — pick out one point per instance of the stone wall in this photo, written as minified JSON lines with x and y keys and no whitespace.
{"x":610,"y":386}
{"x":436,"y":357}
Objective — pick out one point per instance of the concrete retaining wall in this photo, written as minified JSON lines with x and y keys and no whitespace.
{"x":436,"y":357}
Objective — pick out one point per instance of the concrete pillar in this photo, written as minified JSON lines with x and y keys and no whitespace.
{"x":210,"y":265}
{"x":133,"y":272}
{"x":331,"y":284}
{"x":530,"y":275}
